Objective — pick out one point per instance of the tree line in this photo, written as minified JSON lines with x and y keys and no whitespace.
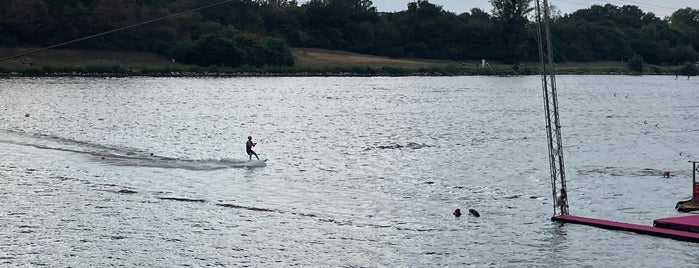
{"x":260,"y":32}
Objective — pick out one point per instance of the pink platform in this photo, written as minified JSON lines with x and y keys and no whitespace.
{"x":676,"y":227}
{"x":684,"y":223}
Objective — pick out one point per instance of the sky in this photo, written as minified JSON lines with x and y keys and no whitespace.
{"x":660,"y":8}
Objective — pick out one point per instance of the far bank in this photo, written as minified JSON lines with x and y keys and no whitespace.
{"x":308,"y":62}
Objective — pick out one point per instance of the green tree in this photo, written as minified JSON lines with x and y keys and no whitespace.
{"x":212,"y":49}
{"x":688,"y":69}
{"x":333,"y":24}
{"x":511,"y":18}
{"x":636,"y":64}
{"x":617,"y":33}
{"x":22,"y":21}
{"x":233,"y":51}
{"x":277,"y":52}
{"x":72,"y":21}
{"x":424,"y":30}
{"x":477,"y":36}
{"x":687,"y":22}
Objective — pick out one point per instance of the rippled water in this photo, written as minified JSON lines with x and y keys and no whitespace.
{"x":360,"y":172}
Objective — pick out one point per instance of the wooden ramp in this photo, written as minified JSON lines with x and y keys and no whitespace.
{"x":665,"y":231}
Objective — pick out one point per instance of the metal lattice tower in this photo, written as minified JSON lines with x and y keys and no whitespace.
{"x":553,"y":124}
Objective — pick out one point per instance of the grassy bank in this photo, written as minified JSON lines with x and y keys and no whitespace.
{"x":309,"y":62}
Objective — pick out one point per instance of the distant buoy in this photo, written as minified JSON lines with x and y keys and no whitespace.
{"x":151,"y":154}
{"x":103,"y":158}
{"x":457,"y":212}
{"x":473,"y":212}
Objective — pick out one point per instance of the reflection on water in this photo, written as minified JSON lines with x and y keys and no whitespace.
{"x":360,"y":171}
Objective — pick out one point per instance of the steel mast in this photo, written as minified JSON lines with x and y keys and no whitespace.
{"x":553,"y":124}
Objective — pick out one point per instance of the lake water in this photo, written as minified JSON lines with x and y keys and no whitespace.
{"x":360,"y":172}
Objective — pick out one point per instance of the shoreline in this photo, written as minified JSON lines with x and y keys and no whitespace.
{"x":301,"y":74}
{"x":356,"y":71}
{"x":310,"y":62}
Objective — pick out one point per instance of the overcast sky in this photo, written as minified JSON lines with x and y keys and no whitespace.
{"x":659,"y":8}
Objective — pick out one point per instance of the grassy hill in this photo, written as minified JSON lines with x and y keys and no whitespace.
{"x":316,"y":58}
{"x":304,"y":57}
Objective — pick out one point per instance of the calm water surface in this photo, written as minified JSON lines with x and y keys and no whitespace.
{"x":360,"y":172}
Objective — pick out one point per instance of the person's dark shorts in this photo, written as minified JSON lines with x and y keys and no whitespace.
{"x":250,"y":151}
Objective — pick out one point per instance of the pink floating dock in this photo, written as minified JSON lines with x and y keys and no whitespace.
{"x":685,"y":223}
{"x":676,"y":228}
